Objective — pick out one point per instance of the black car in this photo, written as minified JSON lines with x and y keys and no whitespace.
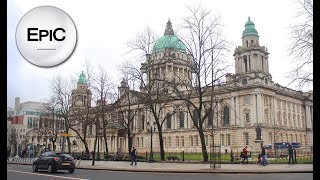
{"x":53,"y":161}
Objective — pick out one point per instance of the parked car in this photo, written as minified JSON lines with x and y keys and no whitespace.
{"x":53,"y":161}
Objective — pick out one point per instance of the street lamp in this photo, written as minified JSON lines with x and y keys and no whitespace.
{"x":151,"y":159}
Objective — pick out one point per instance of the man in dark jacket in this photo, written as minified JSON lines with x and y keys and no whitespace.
{"x":133,"y":156}
{"x":290,"y":154}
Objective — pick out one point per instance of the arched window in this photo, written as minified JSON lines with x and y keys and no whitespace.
{"x":168,"y":120}
{"x":210,"y":118}
{"x":195,"y":118}
{"x":142,"y":122}
{"x":181,"y":119}
{"x":226,"y":115}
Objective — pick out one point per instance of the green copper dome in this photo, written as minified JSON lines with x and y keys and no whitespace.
{"x":250,"y":29}
{"x":82,"y":79}
{"x":169,"y":40}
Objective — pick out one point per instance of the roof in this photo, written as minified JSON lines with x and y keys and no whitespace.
{"x":82,"y":78}
{"x":169,"y":41}
{"x":249,"y":29}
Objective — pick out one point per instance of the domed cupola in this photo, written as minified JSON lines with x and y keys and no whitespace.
{"x":82,"y":79}
{"x":169,"y":41}
{"x":250,"y":29}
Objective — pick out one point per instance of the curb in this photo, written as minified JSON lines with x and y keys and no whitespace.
{"x":224,"y":171}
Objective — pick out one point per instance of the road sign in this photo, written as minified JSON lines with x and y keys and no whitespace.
{"x":65,"y":134}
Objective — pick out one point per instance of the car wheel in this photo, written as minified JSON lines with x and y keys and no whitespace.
{"x":71,"y":170}
{"x":35,"y":168}
{"x":51,"y":169}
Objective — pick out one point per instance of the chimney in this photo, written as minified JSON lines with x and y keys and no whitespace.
{"x":16,"y":106}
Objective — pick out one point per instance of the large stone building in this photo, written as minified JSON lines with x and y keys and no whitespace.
{"x":251,"y":109}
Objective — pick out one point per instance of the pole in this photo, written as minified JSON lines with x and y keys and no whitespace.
{"x":151,"y":152}
{"x":17,"y":155}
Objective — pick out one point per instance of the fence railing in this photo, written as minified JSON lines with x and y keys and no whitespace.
{"x":273,"y":156}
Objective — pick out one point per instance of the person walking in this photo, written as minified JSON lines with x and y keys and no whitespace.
{"x":24,"y":152}
{"x":290,"y":154}
{"x":264,"y":155}
{"x":133,"y":156}
{"x":245,"y":154}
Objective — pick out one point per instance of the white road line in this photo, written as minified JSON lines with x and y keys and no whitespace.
{"x":47,"y":175}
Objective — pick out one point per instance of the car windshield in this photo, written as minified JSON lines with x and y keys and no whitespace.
{"x":64,"y":155}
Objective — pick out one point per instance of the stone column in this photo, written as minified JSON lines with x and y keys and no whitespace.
{"x":259,"y":108}
{"x":254,"y":112}
{"x":239,"y":120}
{"x":232,"y":111}
{"x":307,"y":119}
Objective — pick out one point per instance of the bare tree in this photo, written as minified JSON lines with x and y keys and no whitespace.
{"x":61,"y":91}
{"x":103,"y":89}
{"x":142,"y":42}
{"x":202,"y":36}
{"x":127,"y":106}
{"x":302,"y":46}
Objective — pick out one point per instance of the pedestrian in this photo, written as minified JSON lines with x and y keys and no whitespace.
{"x":264,"y":155}
{"x":244,"y":154}
{"x":133,"y":156}
{"x":259,"y":158}
{"x":24,"y":152}
{"x":290,"y":154}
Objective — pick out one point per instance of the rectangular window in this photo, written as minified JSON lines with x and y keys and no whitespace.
{"x":177,"y":141}
{"x":182,"y":141}
{"x":169,"y":141}
{"x":247,"y":118}
{"x":228,"y":139}
{"x":197,"y":140}
{"x":191,"y":140}
{"x":222,"y":139}
{"x":142,"y":142}
{"x":246,"y":137}
{"x":138,"y":142}
{"x":165,"y":141}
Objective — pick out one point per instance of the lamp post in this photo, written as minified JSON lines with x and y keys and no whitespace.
{"x":18,"y":142}
{"x":151,"y":159}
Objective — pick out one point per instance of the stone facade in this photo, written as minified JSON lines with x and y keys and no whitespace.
{"x":249,"y":98}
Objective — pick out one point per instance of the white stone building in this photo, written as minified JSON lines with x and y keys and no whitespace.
{"x":248,"y":99}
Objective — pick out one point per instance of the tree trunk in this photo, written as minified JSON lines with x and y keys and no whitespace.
{"x":161,"y":145}
{"x":94,"y":150}
{"x":203,"y":146}
{"x":129,"y":142}
{"x":105,"y":141}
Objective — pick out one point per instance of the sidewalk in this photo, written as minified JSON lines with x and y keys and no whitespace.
{"x":188,"y":167}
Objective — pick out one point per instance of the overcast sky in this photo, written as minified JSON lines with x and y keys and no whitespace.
{"x":104,"y":27}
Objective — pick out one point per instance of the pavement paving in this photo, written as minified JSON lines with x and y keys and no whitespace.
{"x":184,"y":167}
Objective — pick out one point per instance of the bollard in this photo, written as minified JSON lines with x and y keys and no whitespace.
{"x":182,"y":155}
{"x":146,"y":155}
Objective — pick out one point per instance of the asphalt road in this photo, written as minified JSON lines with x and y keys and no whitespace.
{"x":16,"y":172}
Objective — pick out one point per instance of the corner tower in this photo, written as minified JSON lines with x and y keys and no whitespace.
{"x":169,"y":62}
{"x":251,"y":59}
{"x":81,"y":97}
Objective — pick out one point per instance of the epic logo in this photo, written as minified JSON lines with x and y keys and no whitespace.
{"x":45,"y":33}
{"x":46,"y":36}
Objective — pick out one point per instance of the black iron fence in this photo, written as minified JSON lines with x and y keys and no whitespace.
{"x":273,"y":156}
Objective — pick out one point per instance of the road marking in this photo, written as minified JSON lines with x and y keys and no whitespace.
{"x":47,"y":175}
